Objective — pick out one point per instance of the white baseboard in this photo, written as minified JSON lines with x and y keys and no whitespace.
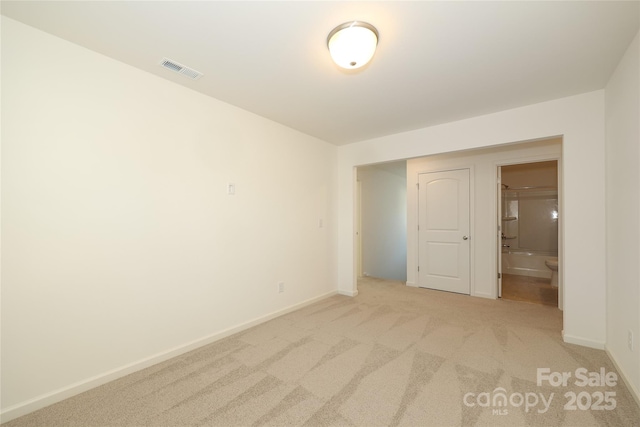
{"x":348,"y":293}
{"x":412,"y":284}
{"x":71,"y":390}
{"x":585,"y":342}
{"x":634,"y":391}
{"x":486,"y":296}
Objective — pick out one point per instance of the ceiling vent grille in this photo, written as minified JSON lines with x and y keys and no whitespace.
{"x":180,"y":69}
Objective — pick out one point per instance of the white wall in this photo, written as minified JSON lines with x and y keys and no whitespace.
{"x":120,"y":244}
{"x":483,"y":164}
{"x":622,"y":96}
{"x":384,"y":222}
{"x":580,"y":120}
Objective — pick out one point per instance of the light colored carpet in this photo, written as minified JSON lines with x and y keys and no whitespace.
{"x":392,"y":356}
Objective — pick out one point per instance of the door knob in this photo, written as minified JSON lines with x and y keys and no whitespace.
{"x":465,"y":237}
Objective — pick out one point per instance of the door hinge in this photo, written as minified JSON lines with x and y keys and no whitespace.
{"x":418,"y":268}
{"x":499,"y":276}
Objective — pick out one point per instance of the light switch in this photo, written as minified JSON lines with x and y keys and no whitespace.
{"x":231,"y":189}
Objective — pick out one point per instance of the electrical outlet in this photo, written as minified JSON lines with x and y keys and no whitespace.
{"x":630,"y":339}
{"x":281,"y":287}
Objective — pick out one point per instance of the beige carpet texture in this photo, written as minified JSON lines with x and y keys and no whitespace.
{"x":391,"y":356}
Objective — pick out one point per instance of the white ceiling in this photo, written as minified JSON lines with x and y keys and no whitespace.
{"x":436,"y":61}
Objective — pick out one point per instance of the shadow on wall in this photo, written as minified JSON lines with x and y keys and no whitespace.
{"x":383,"y":220}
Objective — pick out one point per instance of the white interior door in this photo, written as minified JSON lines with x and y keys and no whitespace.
{"x":443,"y":231}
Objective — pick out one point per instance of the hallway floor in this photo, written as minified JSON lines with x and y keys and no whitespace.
{"x":529,"y":289}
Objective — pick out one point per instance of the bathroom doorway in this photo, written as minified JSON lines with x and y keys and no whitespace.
{"x":528,"y":211}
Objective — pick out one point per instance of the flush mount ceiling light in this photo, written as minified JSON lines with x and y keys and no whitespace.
{"x":352,"y":44}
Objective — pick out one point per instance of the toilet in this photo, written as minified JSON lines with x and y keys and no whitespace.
{"x":552,"y":263}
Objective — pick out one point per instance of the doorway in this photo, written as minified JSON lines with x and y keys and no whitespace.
{"x":482,"y":165}
{"x":381,"y":224}
{"x":528,"y":217}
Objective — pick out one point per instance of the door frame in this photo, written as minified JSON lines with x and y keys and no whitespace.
{"x":500,"y":226}
{"x":472,"y":246}
{"x":498,"y":247}
{"x":359,"y":227}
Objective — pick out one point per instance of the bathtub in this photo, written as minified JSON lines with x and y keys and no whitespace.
{"x":526,"y":263}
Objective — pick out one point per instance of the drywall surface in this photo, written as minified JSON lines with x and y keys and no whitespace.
{"x":120,"y":242}
{"x":622,"y":96}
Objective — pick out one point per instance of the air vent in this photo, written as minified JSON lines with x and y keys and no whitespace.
{"x":180,"y":69}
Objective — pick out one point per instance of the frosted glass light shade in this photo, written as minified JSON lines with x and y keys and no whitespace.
{"x":352,"y":44}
